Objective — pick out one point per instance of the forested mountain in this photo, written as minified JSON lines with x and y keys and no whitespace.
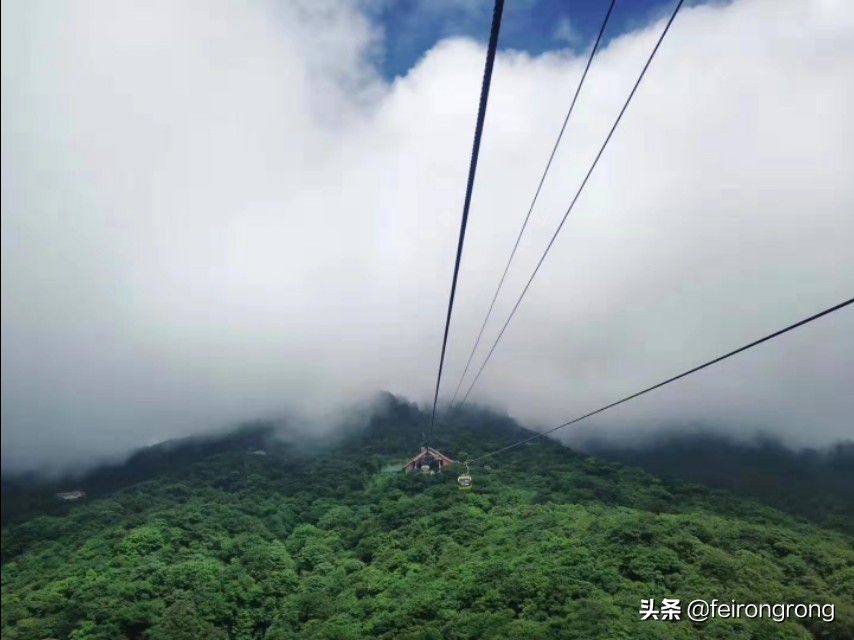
{"x":815,"y":484}
{"x":211,"y":539}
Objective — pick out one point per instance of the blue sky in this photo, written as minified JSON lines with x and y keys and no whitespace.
{"x":412,"y":27}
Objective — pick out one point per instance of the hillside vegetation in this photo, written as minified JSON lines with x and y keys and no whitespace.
{"x":818,"y":485}
{"x":323,"y":544}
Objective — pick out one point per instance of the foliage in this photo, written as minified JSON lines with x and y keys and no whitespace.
{"x":324,"y":545}
{"x":817,"y":485}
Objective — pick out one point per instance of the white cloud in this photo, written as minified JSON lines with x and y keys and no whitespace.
{"x":213,"y":211}
{"x":566,"y":33}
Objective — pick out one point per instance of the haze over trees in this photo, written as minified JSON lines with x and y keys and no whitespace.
{"x":206,"y":539}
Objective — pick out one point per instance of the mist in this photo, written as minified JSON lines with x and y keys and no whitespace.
{"x":217,"y":211}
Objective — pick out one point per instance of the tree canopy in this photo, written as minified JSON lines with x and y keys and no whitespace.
{"x":325,"y":543}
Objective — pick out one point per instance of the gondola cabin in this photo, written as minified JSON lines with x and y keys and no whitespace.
{"x":428,"y":461}
{"x":465,"y":482}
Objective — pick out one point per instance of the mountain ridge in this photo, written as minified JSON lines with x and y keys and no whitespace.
{"x":319,"y":543}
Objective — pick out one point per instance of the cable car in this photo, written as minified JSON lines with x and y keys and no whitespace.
{"x":465,"y":480}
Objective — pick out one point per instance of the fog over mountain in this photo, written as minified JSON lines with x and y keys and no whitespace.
{"x":216,"y":211}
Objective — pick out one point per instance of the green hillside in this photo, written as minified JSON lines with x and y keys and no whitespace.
{"x":320,"y":543}
{"x":818,"y":485}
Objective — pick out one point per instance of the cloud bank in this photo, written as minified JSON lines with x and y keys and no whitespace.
{"x":215,"y":211}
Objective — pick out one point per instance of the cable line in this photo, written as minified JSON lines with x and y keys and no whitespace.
{"x":481,"y":114}
{"x":534,"y":201}
{"x":673,"y":379}
{"x":574,"y":200}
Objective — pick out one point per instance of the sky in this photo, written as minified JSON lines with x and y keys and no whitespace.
{"x":219,"y":211}
{"x":410,"y":28}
